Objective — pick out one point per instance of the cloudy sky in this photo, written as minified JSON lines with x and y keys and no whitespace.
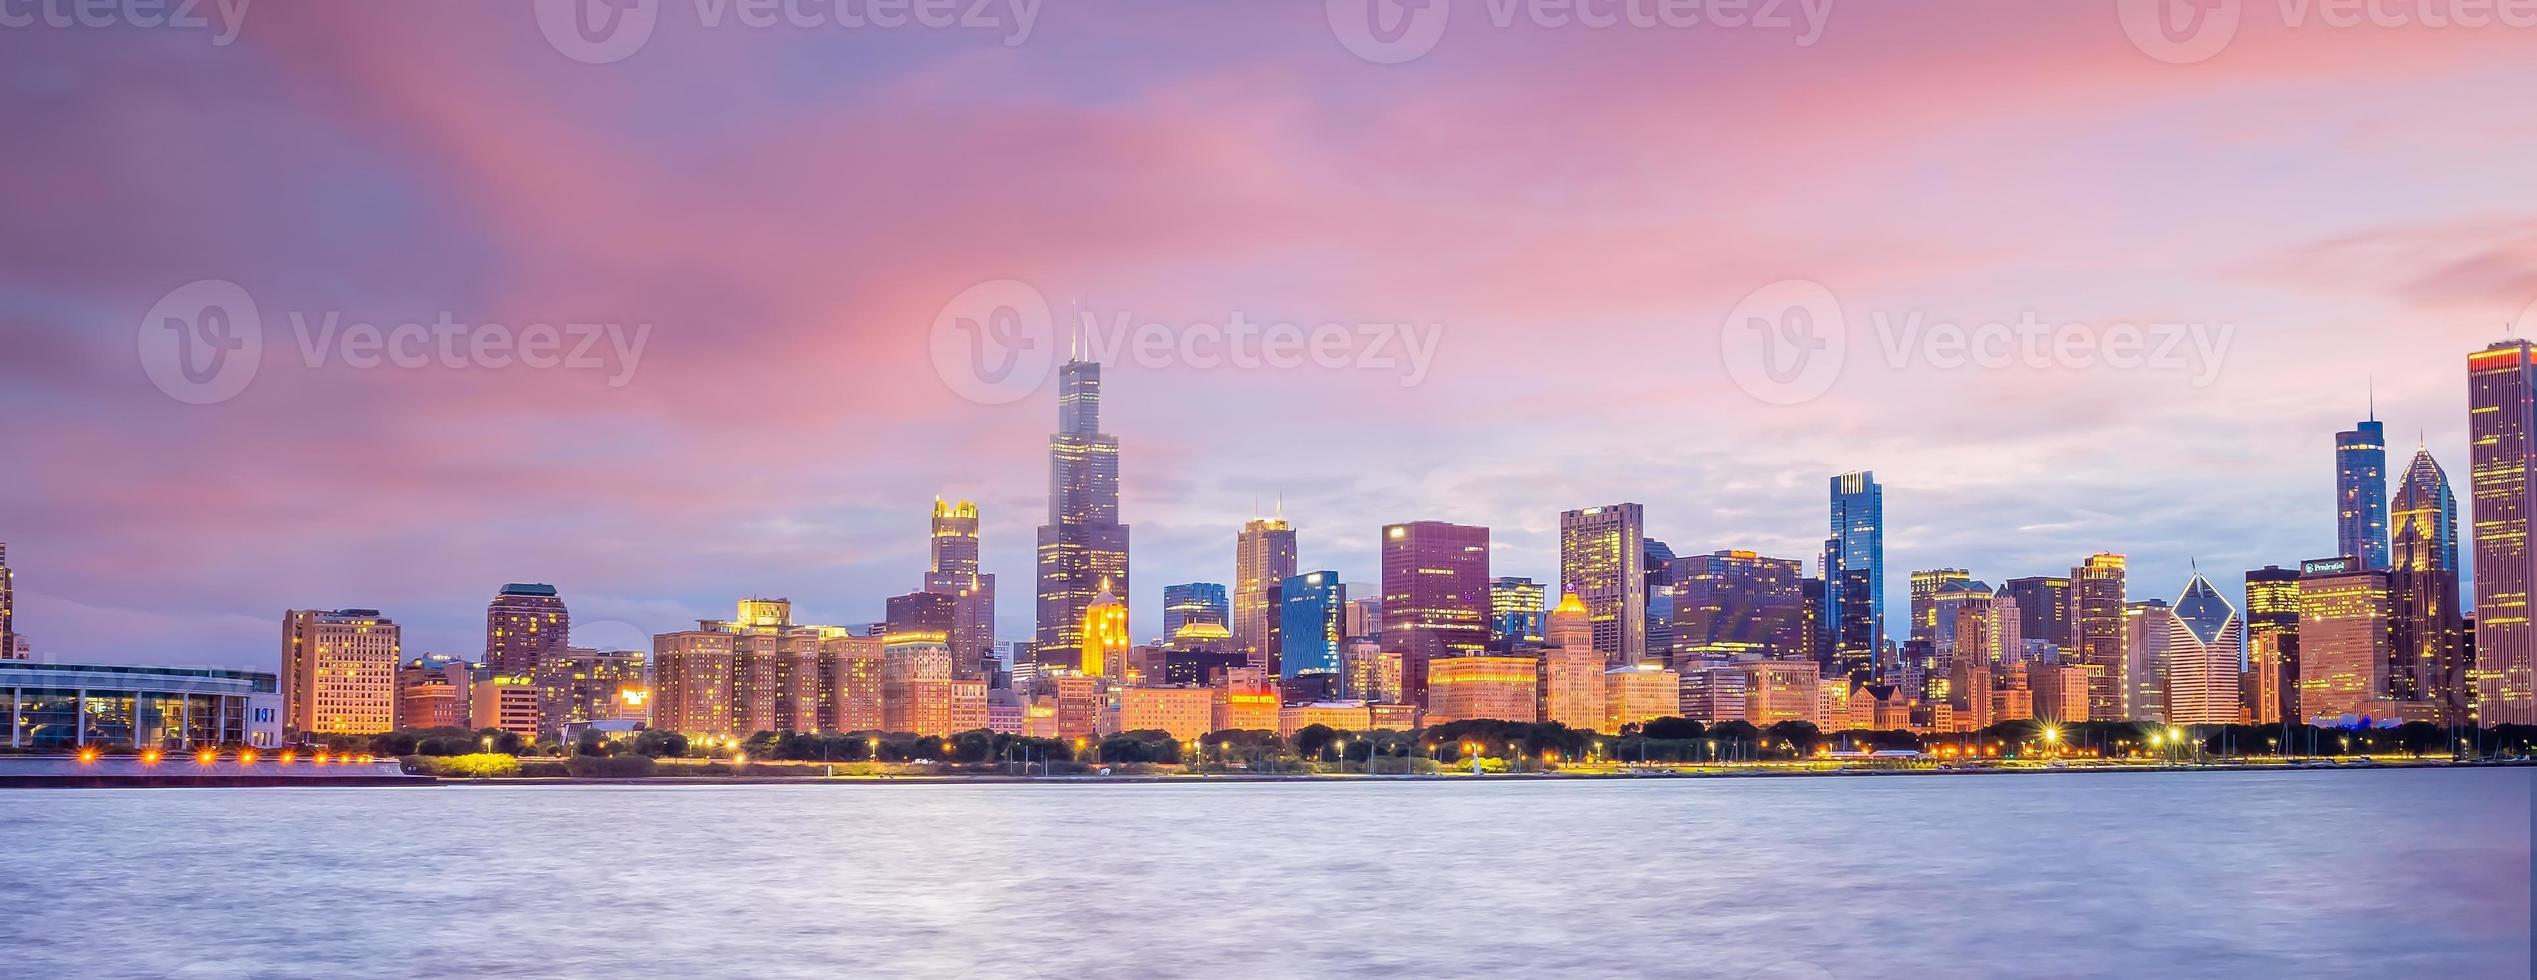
{"x":2225,"y":240}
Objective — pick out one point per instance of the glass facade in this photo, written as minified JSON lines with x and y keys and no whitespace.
{"x":64,"y":706}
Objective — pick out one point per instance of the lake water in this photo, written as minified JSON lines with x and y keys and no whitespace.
{"x":2351,"y":874}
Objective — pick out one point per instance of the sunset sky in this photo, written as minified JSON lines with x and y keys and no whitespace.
{"x":1574,"y":210}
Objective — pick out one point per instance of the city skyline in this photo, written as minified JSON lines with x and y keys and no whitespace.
{"x":1615,"y":247}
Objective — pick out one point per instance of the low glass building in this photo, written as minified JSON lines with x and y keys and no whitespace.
{"x":67,"y":706}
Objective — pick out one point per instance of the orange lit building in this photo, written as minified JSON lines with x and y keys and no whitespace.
{"x":916,"y":688}
{"x":853,"y":665}
{"x":1492,"y":688}
{"x":1571,"y":685}
{"x":1185,"y":712}
{"x":1080,"y":701}
{"x":1247,"y":701}
{"x":339,"y":672}
{"x":505,"y":701}
{"x":1640,"y":693}
{"x":433,"y":692}
{"x":1105,"y":636}
{"x":1391,"y":717}
{"x":1346,"y":716}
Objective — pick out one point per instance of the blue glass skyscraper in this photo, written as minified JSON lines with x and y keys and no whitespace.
{"x":2360,"y":484}
{"x":1854,"y":577}
{"x":1312,"y":620}
{"x":1195,"y":603}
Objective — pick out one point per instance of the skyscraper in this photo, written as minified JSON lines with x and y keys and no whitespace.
{"x":1083,"y":548}
{"x":2502,"y":427}
{"x":1194,"y":603}
{"x":2272,"y":639}
{"x":1659,"y":574}
{"x":2343,"y":639}
{"x":1518,"y":612}
{"x":2148,"y":627}
{"x":2360,"y":482}
{"x":1313,"y":613}
{"x":339,"y":672}
{"x":2043,"y":605}
{"x":1435,"y":596}
{"x":1105,"y":637}
{"x":2427,"y":629}
{"x":525,"y":623}
{"x":2097,"y":634}
{"x":1263,"y":556}
{"x":1603,"y":562}
{"x":1572,"y":684}
{"x":2206,"y":644}
{"x":1739,"y":605}
{"x":1854,"y":576}
{"x":1925,"y":585}
{"x":953,"y":571}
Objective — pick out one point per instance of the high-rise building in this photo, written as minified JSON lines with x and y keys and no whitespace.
{"x":1365,"y":611}
{"x":1731,"y":605}
{"x":1083,"y":549}
{"x":757,"y":672}
{"x":577,"y":685}
{"x":339,"y":672}
{"x":2502,"y":427}
{"x":923,"y":616}
{"x":2043,"y":606}
{"x":1572,"y":688}
{"x":1263,"y":557}
{"x":2205,"y":649}
{"x":2097,"y":633}
{"x":1603,"y":561}
{"x":1659,"y":585}
{"x":1854,"y":577}
{"x":1640,"y":693}
{"x":1518,"y":611}
{"x":1435,"y":595}
{"x":1195,"y":604}
{"x":1313,"y":611}
{"x":1105,"y":637}
{"x":2148,"y":626}
{"x":853,"y":667}
{"x":1925,"y":587}
{"x":2272,"y":640}
{"x":2343,"y":639}
{"x":432,"y":691}
{"x":953,"y":571}
{"x":2427,"y":630}
{"x":523,"y":626}
{"x":2360,"y":482}
{"x":917,"y":695}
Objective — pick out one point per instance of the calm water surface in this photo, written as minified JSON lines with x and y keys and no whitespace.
{"x":2364,"y":874}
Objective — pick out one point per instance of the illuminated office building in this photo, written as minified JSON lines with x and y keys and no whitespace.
{"x":1571,"y":683}
{"x":1435,"y":595}
{"x":1854,"y":577}
{"x":1196,"y":604}
{"x":1731,"y":605}
{"x":2360,"y":483}
{"x":917,"y":694}
{"x":1603,"y":561}
{"x":2502,"y":428}
{"x":2043,"y":604}
{"x":2205,"y":649}
{"x":1185,"y":713}
{"x":1517,"y":612}
{"x":2148,"y":625}
{"x":1370,"y":673}
{"x":525,"y":624}
{"x":1263,"y":557}
{"x":583,"y":685}
{"x":1479,"y":687}
{"x":1640,"y":693}
{"x":2272,"y":641}
{"x":756,"y":672}
{"x":1313,"y":613}
{"x":2343,"y":639}
{"x":2427,"y":630}
{"x":953,"y":571}
{"x":2097,"y":634}
{"x":508,"y":702}
{"x":1246,"y":701}
{"x":339,"y":672}
{"x":1083,"y":549}
{"x":1105,"y":637}
{"x":1659,"y":586}
{"x":1925,"y":588}
{"x":432,"y":692}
